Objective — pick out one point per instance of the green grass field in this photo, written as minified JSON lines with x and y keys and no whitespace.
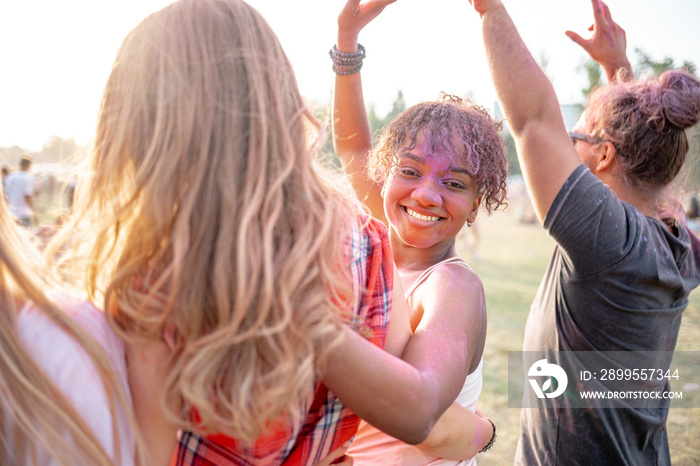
{"x":512,"y":259}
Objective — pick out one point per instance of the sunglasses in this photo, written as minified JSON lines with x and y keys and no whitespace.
{"x":584,"y":137}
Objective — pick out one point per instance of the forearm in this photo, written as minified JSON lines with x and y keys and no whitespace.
{"x":545,"y":152}
{"x":385,"y":391}
{"x":352,"y":135}
{"x":514,"y":70}
{"x":612,"y":68}
{"x":351,"y":130}
{"x":459,"y":434}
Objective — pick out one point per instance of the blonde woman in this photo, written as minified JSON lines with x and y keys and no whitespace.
{"x":63,"y":397}
{"x":238,"y":277}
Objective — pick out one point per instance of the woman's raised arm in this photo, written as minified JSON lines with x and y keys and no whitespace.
{"x":547,"y":156}
{"x":352,"y":135}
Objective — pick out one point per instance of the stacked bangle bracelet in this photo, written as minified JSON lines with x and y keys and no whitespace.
{"x":345,"y":63}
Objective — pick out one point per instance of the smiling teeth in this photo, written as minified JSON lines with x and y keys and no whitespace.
{"x":423,"y":218}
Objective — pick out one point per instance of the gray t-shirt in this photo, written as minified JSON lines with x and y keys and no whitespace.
{"x":617,"y":281}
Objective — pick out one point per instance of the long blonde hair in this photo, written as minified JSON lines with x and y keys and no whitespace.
{"x":210,"y":218}
{"x":34,"y":414}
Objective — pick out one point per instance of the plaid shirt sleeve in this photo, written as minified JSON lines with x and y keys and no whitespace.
{"x":328,"y":423}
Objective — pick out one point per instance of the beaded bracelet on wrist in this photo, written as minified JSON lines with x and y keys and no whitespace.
{"x":345,"y":60}
{"x":344,"y":70}
{"x":361,"y":53}
{"x":347,"y":63}
{"x":493,"y":438}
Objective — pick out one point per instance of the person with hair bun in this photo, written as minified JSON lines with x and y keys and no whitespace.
{"x":624,"y":265}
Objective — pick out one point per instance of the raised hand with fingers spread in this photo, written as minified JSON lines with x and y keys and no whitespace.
{"x":355,"y":16}
{"x":608,"y":43}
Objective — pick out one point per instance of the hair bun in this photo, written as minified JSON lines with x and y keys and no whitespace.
{"x":680,"y":98}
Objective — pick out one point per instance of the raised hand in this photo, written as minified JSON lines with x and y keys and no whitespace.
{"x":352,"y":135}
{"x":355,"y":16}
{"x":482,"y":6}
{"x":608,"y":44}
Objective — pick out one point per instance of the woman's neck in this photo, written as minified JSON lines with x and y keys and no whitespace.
{"x":410,"y":258}
{"x":647,"y":202}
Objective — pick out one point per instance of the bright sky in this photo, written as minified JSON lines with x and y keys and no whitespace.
{"x":56,"y":55}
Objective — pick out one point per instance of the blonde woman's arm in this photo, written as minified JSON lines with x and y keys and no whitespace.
{"x":147,"y":364}
{"x":352,"y":135}
{"x":403,"y":398}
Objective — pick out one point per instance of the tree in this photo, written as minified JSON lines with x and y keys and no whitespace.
{"x":648,"y":65}
{"x":397,"y":107}
{"x":325,"y":153}
{"x":10,"y":156}
{"x":645,"y":65}
{"x":511,"y":153}
{"x":57,"y":150}
{"x":376,"y":123}
{"x":594,"y":74}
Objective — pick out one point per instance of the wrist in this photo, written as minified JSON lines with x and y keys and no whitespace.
{"x":489,"y":7}
{"x":611,"y":69}
{"x":347,"y":42}
{"x":346,"y":63}
{"x":493,"y":435}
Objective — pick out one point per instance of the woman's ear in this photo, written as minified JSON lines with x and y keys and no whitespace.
{"x":606,"y":153}
{"x":475,"y":210}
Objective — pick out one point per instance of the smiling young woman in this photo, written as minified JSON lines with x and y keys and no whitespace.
{"x":432,"y":169}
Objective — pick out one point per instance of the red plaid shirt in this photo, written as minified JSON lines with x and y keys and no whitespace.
{"x":328,"y":424}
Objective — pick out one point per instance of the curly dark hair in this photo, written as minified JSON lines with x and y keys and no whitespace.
{"x":455,"y":127}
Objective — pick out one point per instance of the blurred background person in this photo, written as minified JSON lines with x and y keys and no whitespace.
{"x":5,"y":173}
{"x":19,"y":190}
